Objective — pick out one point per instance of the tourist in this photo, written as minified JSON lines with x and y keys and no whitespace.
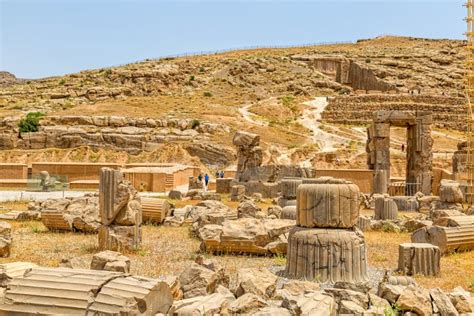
{"x":206,"y":180}
{"x":222,"y":174}
{"x":217,"y":174}
{"x":200,"y":178}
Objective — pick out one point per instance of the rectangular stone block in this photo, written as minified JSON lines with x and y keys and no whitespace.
{"x":419,"y":258}
{"x":223,"y":185}
{"x":120,"y":238}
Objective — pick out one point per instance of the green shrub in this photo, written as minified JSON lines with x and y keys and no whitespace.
{"x":192,"y":78}
{"x":195,"y":124}
{"x":30,"y":123}
{"x":62,"y":81}
{"x":207,"y":94}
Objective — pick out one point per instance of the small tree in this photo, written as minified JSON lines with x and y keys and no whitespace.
{"x":30,"y":123}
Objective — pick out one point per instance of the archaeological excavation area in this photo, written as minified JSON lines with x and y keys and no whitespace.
{"x":260,"y":239}
{"x":333,"y":179}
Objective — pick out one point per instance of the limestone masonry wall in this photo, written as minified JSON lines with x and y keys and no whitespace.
{"x":73,"y":171}
{"x":448,"y":112}
{"x":13,"y":171}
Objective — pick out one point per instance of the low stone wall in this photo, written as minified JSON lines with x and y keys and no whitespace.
{"x":73,"y":171}
{"x":159,"y":179}
{"x":448,"y":112}
{"x":363,"y":178}
{"x":13,"y":171}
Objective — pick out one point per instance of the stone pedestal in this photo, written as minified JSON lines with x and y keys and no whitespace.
{"x":325,"y":246}
{"x":385,"y":208}
{"x":326,"y":255}
{"x":419,"y":258}
{"x":328,"y":203}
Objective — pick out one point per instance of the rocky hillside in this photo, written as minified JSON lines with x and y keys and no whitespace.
{"x":261,"y":90}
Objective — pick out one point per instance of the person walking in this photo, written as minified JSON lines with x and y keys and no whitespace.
{"x":222,"y":174}
{"x":206,"y":180}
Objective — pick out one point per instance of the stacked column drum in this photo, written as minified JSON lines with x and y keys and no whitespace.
{"x":325,"y":245}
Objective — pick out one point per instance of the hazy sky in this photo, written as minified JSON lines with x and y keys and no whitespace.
{"x":53,"y":37}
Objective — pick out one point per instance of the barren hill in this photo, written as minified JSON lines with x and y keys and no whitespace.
{"x":263,"y":90}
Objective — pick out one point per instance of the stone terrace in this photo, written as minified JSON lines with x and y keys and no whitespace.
{"x":448,"y":112}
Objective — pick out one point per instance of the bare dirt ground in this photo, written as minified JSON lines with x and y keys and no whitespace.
{"x":168,"y":250}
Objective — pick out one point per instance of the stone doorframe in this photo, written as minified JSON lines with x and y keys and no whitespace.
{"x":418,"y":148}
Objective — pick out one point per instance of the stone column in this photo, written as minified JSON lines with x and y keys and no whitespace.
{"x":120,"y":212}
{"x":380,"y":145}
{"x":420,"y":154}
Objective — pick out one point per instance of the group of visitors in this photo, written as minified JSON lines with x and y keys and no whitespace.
{"x":205,"y":179}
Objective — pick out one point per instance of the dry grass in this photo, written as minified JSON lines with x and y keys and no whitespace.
{"x":168,"y":250}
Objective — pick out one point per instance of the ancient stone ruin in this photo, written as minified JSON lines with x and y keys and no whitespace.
{"x":325,"y":245}
{"x":120,"y":213}
{"x":249,"y":156}
{"x":419,"y":150}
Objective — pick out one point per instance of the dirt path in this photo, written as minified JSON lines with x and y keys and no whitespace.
{"x":311,"y":119}
{"x":249,"y":117}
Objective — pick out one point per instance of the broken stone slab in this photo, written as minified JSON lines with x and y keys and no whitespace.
{"x":258,"y":281}
{"x":214,"y":304}
{"x":415,"y":299}
{"x":120,"y":238}
{"x":313,"y":303}
{"x":321,"y":254}
{"x":450,"y":192}
{"x":110,"y":261}
{"x":59,"y":291}
{"x":419,"y":258}
{"x":448,"y":239}
{"x":385,"y":209}
{"x":197,"y":280}
{"x":328,"y":203}
{"x":248,"y":209}
{"x":133,"y":295}
{"x":414,"y":224}
{"x":441,"y":303}
{"x":272,"y":311}
{"x":155,"y":210}
{"x":455,"y":221}
{"x":247,"y":304}
{"x":438,"y":214}
{"x":5,"y":239}
{"x":288,"y":212}
{"x":461,"y":300}
{"x":246,"y":235}
{"x":21,"y":215}
{"x":8,"y":271}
